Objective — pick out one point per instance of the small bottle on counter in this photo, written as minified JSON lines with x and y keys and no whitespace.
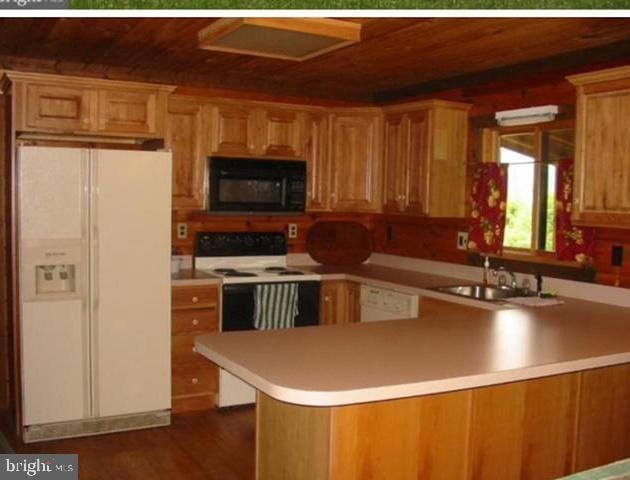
{"x":486,"y":270}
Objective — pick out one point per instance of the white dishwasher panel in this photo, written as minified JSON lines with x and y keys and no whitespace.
{"x":383,"y":304}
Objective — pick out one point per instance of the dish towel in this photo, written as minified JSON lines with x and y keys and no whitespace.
{"x":535,"y":301}
{"x":275,"y":305}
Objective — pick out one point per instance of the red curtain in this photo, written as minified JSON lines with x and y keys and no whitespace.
{"x":489,"y":195}
{"x":572,"y":243}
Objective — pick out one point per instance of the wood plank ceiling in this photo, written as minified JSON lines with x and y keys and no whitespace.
{"x":397,"y":57}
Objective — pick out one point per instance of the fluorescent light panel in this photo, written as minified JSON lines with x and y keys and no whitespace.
{"x":526,"y":116}
{"x":295,"y":39}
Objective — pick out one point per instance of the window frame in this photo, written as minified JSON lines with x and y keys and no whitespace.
{"x":491,"y":153}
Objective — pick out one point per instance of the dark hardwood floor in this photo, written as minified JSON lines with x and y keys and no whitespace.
{"x":215,"y":445}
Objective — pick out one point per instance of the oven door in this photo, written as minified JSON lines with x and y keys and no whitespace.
{"x":238,"y":306}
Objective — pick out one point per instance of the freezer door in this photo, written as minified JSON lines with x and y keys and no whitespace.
{"x":54,"y":324}
{"x":130,"y":277}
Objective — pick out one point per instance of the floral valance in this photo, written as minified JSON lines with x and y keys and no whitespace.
{"x":489,"y":195}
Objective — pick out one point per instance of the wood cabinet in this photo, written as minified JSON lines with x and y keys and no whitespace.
{"x":536,"y":429}
{"x":601,"y":188}
{"x":317,"y":155}
{"x":74,"y":105}
{"x":356,"y":167}
{"x":195,"y":380}
{"x":425,"y":158}
{"x":281,"y":132}
{"x":233,"y":130}
{"x":186,"y":136}
{"x":256,"y":131}
{"x":340,"y":302}
{"x":131,"y":113}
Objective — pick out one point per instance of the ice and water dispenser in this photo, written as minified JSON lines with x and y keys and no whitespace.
{"x":55,"y":278}
{"x":55,"y":267}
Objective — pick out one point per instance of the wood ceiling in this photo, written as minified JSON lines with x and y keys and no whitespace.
{"x":397,"y":57}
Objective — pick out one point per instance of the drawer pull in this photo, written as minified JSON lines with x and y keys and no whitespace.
{"x":195,"y":322}
{"x":195,"y":299}
{"x":194,"y":349}
{"x":195,"y":381}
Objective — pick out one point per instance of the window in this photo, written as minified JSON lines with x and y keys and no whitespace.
{"x":530,"y":154}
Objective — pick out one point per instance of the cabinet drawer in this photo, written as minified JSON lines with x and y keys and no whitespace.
{"x":183,"y":349}
{"x":185,"y":321}
{"x":194,"y":297}
{"x":191,"y":379}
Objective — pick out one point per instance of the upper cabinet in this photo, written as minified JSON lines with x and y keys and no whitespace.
{"x":355,"y":164}
{"x":85,"y":106}
{"x":233,"y":130}
{"x":186,"y":136}
{"x":316,"y":152}
{"x":602,"y":156}
{"x":253,"y":131}
{"x":425,"y":158}
{"x":281,"y":132}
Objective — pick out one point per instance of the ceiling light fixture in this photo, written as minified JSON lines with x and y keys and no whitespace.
{"x":526,"y":116}
{"x":295,"y":39}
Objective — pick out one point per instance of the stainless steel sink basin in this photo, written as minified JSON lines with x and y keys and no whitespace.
{"x":480,"y":292}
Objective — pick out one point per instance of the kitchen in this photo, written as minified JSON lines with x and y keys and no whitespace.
{"x":381,"y":201}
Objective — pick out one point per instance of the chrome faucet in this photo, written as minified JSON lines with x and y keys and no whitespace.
{"x":496,"y":272}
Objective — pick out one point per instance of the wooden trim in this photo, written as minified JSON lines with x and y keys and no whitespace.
{"x":599,"y":76}
{"x":422,"y":104}
{"x":92,"y":82}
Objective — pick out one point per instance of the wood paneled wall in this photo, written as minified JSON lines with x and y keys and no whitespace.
{"x":201,"y":222}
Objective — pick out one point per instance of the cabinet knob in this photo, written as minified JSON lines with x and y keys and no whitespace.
{"x":194,"y":349}
{"x":326,"y":298}
{"x":195,"y":381}
{"x":195,"y":322}
{"x":195,"y":299}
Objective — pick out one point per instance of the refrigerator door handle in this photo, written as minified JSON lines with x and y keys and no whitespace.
{"x":93,"y":282}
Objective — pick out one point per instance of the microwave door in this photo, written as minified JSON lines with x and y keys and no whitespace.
{"x":244,"y":192}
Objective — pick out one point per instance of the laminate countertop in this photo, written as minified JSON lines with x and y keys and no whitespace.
{"x":367,"y":362}
{"x":189,"y":276}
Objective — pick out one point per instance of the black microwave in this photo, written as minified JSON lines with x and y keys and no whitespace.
{"x":245,"y":185}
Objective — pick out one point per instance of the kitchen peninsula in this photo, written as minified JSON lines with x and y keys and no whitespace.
{"x":515,"y":393}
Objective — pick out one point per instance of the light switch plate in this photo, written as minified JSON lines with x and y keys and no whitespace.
{"x":462,"y":240}
{"x":292,"y":230}
{"x":182,"y":231}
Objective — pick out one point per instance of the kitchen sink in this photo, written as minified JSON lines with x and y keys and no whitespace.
{"x":481,"y":292}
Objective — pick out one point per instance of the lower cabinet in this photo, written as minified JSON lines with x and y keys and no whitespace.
{"x":340,"y":302}
{"x":195,"y":380}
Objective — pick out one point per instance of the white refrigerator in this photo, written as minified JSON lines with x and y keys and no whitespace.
{"x":94,"y":252}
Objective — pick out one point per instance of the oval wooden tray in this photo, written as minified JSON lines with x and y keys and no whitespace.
{"x":339,"y":243}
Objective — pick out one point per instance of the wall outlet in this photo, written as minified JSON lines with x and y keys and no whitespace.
{"x":462,"y":240}
{"x":182,"y":231}
{"x":293,"y":230}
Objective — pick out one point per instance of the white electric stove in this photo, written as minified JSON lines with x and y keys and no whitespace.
{"x":244,"y":261}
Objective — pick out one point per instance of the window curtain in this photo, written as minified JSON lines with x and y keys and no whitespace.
{"x":489,"y":195}
{"x":572,"y":243}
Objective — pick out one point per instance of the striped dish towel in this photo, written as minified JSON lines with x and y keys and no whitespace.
{"x":275,"y":305}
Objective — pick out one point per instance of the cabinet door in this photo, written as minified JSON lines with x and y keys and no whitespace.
{"x":185,"y":136}
{"x":281,"y":133}
{"x":316,"y":152}
{"x":356,"y":163}
{"x":340,"y":302}
{"x":129,"y":113}
{"x":233,"y":130}
{"x":602,"y":167}
{"x":395,"y":164}
{"x":417,"y":152}
{"x":51,"y":107}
